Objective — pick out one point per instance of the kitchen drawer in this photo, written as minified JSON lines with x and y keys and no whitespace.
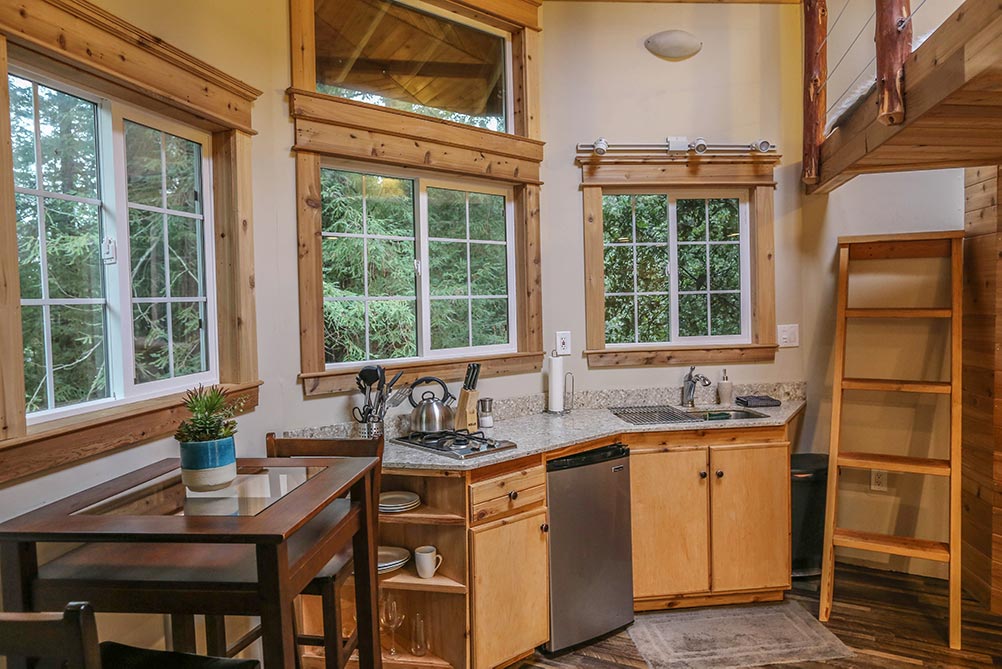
{"x":507,"y":494}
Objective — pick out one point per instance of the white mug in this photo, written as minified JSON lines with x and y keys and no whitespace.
{"x":427,"y":560}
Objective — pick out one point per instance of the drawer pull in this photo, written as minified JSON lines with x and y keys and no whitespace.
{"x":513,"y":495}
{"x":720,"y":473}
{"x":702,"y":475}
{"x":545,"y":527}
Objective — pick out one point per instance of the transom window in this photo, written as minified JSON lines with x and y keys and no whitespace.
{"x":380,"y":233}
{"x":112,"y":246}
{"x":676,"y":268}
{"x":389,"y":54}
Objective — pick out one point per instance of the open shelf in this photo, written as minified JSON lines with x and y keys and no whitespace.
{"x":406,"y":578}
{"x":423,"y":515}
{"x":894,"y":312}
{"x":314,"y":658}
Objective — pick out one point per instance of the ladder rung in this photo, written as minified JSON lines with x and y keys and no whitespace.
{"x":893,"y":545}
{"x":898,"y":313}
{"x":893,"y":385}
{"x":894,"y":463}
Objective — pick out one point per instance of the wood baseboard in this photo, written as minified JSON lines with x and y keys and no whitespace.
{"x":708,"y":599}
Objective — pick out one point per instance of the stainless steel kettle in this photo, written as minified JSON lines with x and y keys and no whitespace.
{"x":431,"y":413}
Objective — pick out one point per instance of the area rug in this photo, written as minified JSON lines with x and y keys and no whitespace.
{"x":734,"y":636}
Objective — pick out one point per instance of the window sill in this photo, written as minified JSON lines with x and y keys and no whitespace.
{"x":342,"y":380}
{"x":681,"y":355}
{"x":67,"y":441}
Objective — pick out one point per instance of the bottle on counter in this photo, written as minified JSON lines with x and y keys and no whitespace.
{"x":725,"y":390}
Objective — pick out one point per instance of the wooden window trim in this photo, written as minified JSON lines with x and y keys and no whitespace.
{"x":60,"y":443}
{"x":618,"y":173}
{"x":82,"y":43}
{"x":327,"y":126}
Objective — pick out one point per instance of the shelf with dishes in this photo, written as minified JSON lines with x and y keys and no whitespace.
{"x":425,"y":514}
{"x":406,"y":578}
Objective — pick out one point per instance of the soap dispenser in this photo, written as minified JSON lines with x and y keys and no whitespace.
{"x":725,"y":390}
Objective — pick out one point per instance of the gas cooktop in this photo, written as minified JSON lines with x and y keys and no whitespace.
{"x":458,"y":444}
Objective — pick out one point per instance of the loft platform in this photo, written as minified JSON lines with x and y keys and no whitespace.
{"x":952,"y":106}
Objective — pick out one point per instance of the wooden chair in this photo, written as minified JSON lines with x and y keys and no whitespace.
{"x":331,"y":578}
{"x":69,"y":639}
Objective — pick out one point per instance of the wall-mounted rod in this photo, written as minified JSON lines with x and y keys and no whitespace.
{"x":601,"y":146}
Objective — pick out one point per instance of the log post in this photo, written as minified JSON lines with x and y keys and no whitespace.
{"x":894,"y":46}
{"x":815,"y":72}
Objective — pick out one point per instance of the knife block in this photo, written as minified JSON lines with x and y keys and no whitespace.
{"x":466,"y":410}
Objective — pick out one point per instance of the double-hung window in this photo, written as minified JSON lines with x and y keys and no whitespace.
{"x":415,"y":267}
{"x":677,"y":268}
{"x":115,"y":247}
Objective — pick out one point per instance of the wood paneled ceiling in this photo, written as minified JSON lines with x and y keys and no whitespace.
{"x":388,"y":49}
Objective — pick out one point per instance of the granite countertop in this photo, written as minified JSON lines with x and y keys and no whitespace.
{"x":541,"y":432}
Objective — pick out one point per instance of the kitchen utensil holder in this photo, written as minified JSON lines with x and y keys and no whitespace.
{"x":466,"y":410}
{"x":568,"y":397}
{"x":372,"y":429}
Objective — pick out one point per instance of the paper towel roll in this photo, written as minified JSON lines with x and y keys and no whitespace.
{"x":555,"y":399}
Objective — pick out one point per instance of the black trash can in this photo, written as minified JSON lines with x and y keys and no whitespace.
{"x":807,"y":502}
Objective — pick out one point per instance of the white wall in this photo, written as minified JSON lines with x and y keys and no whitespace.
{"x":914,"y":425}
{"x":599,"y":80}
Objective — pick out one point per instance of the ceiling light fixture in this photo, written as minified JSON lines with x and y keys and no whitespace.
{"x":673,"y":44}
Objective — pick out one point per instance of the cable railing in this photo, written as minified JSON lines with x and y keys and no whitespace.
{"x":868,"y":43}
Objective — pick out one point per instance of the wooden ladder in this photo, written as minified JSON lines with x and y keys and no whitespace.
{"x":876,"y":247}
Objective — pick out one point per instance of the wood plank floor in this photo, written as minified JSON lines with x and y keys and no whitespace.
{"x":888,"y":619}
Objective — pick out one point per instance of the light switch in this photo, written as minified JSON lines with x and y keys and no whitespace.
{"x":788,"y":335}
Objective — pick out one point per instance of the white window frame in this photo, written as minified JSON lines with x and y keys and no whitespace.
{"x":421,"y":238}
{"x":112,"y":195}
{"x":673,"y":195}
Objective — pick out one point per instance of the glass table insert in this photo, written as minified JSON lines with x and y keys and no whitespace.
{"x":253,"y":490}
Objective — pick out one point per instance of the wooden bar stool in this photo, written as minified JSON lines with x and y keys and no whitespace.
{"x":329,"y":582}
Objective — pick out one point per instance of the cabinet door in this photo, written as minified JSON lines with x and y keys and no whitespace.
{"x":750,"y":511}
{"x":511,"y":590}
{"x":670,"y":522}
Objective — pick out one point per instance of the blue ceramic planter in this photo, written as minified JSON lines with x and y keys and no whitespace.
{"x":208,"y":465}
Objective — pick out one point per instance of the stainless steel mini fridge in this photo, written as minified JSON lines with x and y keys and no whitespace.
{"x":591,"y":559}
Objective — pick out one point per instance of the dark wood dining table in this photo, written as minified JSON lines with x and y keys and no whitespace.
{"x":143,"y":543}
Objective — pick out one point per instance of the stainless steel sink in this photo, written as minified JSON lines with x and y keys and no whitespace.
{"x":656,"y":415}
{"x":725,"y":414}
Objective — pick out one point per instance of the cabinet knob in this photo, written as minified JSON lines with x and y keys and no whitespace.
{"x":513,"y":495}
{"x":720,"y":473}
{"x":702,"y":475}
{"x":545,"y":527}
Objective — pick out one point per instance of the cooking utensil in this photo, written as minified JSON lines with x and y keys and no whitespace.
{"x":476,"y":376}
{"x":431,"y":414}
{"x":398,"y":396}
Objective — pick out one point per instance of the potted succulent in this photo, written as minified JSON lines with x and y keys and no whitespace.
{"x":208,"y":456}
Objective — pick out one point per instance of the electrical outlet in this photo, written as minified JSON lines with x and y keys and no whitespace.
{"x":878,"y":480}
{"x":788,"y":335}
{"x":563,"y":342}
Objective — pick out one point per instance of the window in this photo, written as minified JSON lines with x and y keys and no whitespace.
{"x":676,"y":268}
{"x":112,"y":243}
{"x":389,"y":54}
{"x":379,"y":232}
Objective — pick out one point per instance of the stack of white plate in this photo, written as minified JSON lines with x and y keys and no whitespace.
{"x":398,"y":501}
{"x":391,"y":558}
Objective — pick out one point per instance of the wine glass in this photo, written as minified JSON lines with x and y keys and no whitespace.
{"x":391,"y":618}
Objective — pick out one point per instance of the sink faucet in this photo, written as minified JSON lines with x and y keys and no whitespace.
{"x":689,"y":387}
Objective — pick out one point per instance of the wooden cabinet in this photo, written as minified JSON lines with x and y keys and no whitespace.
{"x":670,"y":509}
{"x":510,"y":588}
{"x":711,"y":523}
{"x":750,"y":517}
